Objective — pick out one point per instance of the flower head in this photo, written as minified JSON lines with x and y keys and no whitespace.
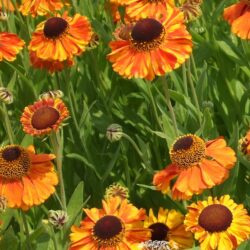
{"x":116,"y":190}
{"x":44,"y":116}
{"x":168,"y":226}
{"x":6,"y":96}
{"x":11,"y":45}
{"x":57,"y":218}
{"x":114,"y":132}
{"x":198,"y":164}
{"x":61,"y":38}
{"x":6,"y":5}
{"x":245,"y":144}
{"x":41,"y":7}
{"x":153,"y":46}
{"x":118,"y":226}
{"x":26,"y":179}
{"x":218,"y":223}
{"x":238,"y":16}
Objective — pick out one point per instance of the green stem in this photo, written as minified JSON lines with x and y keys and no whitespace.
{"x":136,"y":149}
{"x":194,"y":67}
{"x":57,"y":144}
{"x":184,"y":78}
{"x":26,"y":230}
{"x":153,"y":104}
{"x":8,"y":126}
{"x":196,"y":102}
{"x":169,"y":104}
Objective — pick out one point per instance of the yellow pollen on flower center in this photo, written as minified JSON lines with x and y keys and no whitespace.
{"x":14,"y":162}
{"x":108,"y":231}
{"x":187,"y":150}
{"x":147,"y":34}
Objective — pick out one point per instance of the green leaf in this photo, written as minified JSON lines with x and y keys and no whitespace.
{"x":9,"y":240}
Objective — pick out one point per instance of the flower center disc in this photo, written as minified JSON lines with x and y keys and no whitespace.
{"x":54,"y":27}
{"x":107,"y":227}
{"x":187,"y":150}
{"x":159,"y":231}
{"x":147,"y":34}
{"x":215,"y":218}
{"x":14,"y":162}
{"x":44,"y":117}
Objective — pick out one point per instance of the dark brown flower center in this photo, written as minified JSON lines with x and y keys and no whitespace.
{"x":107,"y":227}
{"x":146,"y":30}
{"x":54,"y":27}
{"x":215,"y":218}
{"x":183,"y":143}
{"x":14,"y":162}
{"x":44,"y":117}
{"x":11,"y":154}
{"x":159,"y":231}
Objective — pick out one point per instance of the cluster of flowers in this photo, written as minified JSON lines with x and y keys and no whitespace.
{"x":152,"y":41}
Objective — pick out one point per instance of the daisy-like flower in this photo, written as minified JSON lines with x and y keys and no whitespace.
{"x":40,"y":7}
{"x":118,"y":226}
{"x":44,"y":116}
{"x":218,"y":223}
{"x":238,"y":16}
{"x":244,"y":144}
{"x":137,"y":9}
{"x":152,"y":47}
{"x":199,"y":165}
{"x":60,"y":38}
{"x":26,"y":179}
{"x":51,"y":66}
{"x":168,"y":226}
{"x":11,"y":45}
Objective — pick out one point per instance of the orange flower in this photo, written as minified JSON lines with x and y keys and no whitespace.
{"x":11,"y":45}
{"x":218,"y":223}
{"x":26,"y":179}
{"x":137,"y":9}
{"x":44,"y":116}
{"x":60,"y":38}
{"x":238,"y":16}
{"x":153,"y":47}
{"x":40,"y":7}
{"x":245,"y":144}
{"x":50,"y":65}
{"x":118,"y":226}
{"x":197,"y":164}
{"x":6,"y":5}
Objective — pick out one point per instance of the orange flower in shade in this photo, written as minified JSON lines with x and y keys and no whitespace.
{"x":168,"y":226}
{"x":151,"y":47}
{"x":137,"y":9}
{"x":238,"y":16}
{"x":6,"y":5}
{"x":199,"y":165}
{"x":118,"y":226}
{"x":26,"y":179}
{"x":40,"y":7}
{"x":218,"y":223}
{"x":60,"y":38}
{"x":50,"y":65}
{"x":11,"y":45}
{"x":44,"y":116}
{"x":245,"y":144}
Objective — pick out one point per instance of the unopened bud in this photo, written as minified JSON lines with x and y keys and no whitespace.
{"x":116,"y":190}
{"x":6,"y":96}
{"x":52,"y":94}
{"x":3,"y":203}
{"x":114,"y":132}
{"x":57,"y":218}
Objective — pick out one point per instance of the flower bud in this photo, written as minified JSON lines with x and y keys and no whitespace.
{"x":3,"y":204}
{"x":191,"y":9}
{"x":3,"y":16}
{"x":114,"y":132}
{"x":51,"y":94}
{"x":57,"y":218}
{"x":157,"y":245}
{"x":116,"y":190}
{"x":6,"y":96}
